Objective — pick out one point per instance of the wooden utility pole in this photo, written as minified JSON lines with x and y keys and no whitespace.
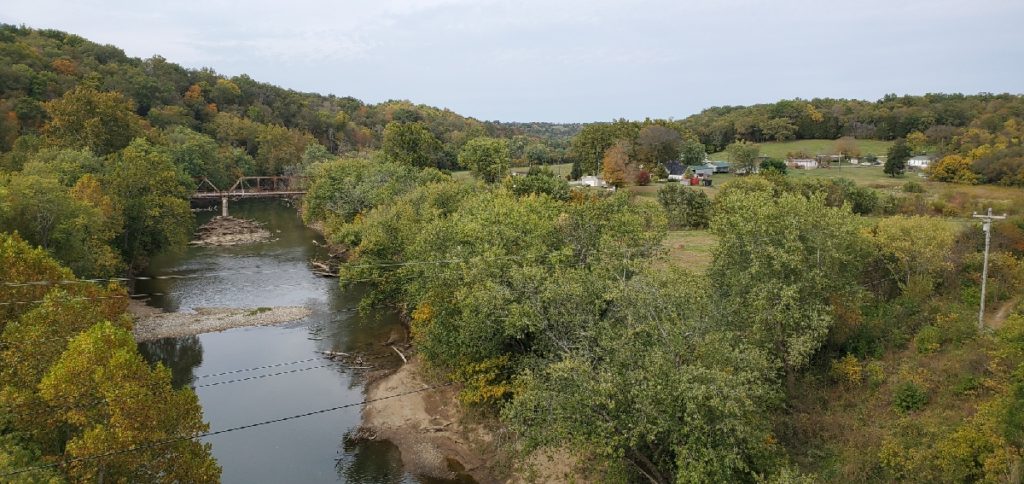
{"x":986,"y":226}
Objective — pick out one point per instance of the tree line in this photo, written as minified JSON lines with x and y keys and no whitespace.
{"x":554,"y":312}
{"x":73,"y":385}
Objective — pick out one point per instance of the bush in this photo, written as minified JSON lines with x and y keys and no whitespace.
{"x":772,"y":165}
{"x":913,"y":187}
{"x":848,"y":370}
{"x":967,"y":385}
{"x":643,"y":178}
{"x":928,"y":340}
{"x":955,"y":328}
{"x":875,"y":372}
{"x":909,"y":397}
{"x":685,"y":207}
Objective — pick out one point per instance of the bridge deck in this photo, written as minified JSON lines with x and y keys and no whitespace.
{"x":244,"y":194}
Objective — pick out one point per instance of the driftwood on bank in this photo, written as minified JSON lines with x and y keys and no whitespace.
{"x":224,"y":231}
{"x":399,"y":354}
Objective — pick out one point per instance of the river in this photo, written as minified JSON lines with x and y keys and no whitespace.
{"x":310,"y":449}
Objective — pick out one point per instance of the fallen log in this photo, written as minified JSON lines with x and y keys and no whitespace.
{"x":400,"y":354}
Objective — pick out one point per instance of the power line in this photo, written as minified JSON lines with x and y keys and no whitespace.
{"x":259,"y":377}
{"x":273,"y":271}
{"x":218,"y":432}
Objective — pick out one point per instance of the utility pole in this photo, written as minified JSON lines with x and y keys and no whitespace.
{"x":986,"y":226}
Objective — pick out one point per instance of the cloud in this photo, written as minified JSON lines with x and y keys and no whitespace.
{"x":570,"y":59}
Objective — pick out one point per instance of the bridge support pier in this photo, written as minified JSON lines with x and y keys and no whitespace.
{"x":224,"y":206}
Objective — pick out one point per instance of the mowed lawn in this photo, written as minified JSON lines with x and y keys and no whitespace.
{"x":561,"y":170}
{"x":689,"y":249}
{"x":779,"y":149}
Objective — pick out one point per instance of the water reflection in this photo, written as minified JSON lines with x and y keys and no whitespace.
{"x":181,"y":355}
{"x":275,"y":274}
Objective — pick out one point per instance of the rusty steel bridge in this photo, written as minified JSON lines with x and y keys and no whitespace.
{"x":251,"y":187}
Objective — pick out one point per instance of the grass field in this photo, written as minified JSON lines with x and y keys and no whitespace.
{"x":967,"y":197}
{"x":689,"y":249}
{"x":812,"y":147}
{"x":561,"y":170}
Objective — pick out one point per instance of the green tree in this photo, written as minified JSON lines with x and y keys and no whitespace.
{"x":225,"y":92}
{"x":539,"y":181}
{"x":685,"y":207}
{"x":593,"y":140}
{"x":779,"y":261}
{"x":412,"y":144}
{"x":103,"y":122}
{"x":909,"y":254}
{"x":76,"y":224}
{"x":152,"y":194}
{"x":896,"y":158}
{"x":693,"y":152}
{"x":341,"y":189}
{"x":655,"y":390}
{"x":199,"y":156}
{"x":15,"y":457}
{"x":773,"y":165}
{"x":488,"y":158}
{"x":744,"y":155}
{"x":137,"y":407}
{"x":280,"y":149}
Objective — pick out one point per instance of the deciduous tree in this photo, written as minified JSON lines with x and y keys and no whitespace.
{"x":744,"y":155}
{"x":487,"y":158}
{"x":103,"y":122}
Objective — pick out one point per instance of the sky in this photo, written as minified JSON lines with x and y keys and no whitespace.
{"x":570,"y":60}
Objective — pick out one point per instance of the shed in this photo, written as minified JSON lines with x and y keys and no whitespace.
{"x":701,"y":170}
{"x":802,"y":163}
{"x":920,"y":162}
{"x":719,"y":166}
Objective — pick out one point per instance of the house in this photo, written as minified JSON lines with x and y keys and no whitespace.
{"x":675,"y":170}
{"x":590,"y":181}
{"x":719,"y":166}
{"x":700,"y":171}
{"x":802,"y":163}
{"x":920,"y":162}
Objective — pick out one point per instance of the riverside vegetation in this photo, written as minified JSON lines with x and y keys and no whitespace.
{"x":831,"y":337}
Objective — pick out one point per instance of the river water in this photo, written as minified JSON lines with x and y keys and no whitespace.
{"x":310,"y":449}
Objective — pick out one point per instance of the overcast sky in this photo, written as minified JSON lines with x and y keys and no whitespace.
{"x":571,"y":60}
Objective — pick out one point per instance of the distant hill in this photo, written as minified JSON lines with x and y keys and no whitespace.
{"x":40,"y":65}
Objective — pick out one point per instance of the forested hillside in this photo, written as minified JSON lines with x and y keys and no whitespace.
{"x":269,"y":124}
{"x":100,"y":150}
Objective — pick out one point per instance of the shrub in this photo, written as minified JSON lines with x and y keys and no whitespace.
{"x":875,"y":372}
{"x":928,"y":340}
{"x":913,"y":187}
{"x":773,"y":165}
{"x":848,"y":370}
{"x":909,"y":397}
{"x":643,"y":178}
{"x":967,"y":385}
{"x":955,"y":328}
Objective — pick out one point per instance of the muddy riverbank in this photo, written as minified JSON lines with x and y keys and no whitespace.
{"x":428,"y":427}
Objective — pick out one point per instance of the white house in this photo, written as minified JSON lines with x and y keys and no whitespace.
{"x":920,"y":162}
{"x":590,"y":181}
{"x":803,"y":163}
